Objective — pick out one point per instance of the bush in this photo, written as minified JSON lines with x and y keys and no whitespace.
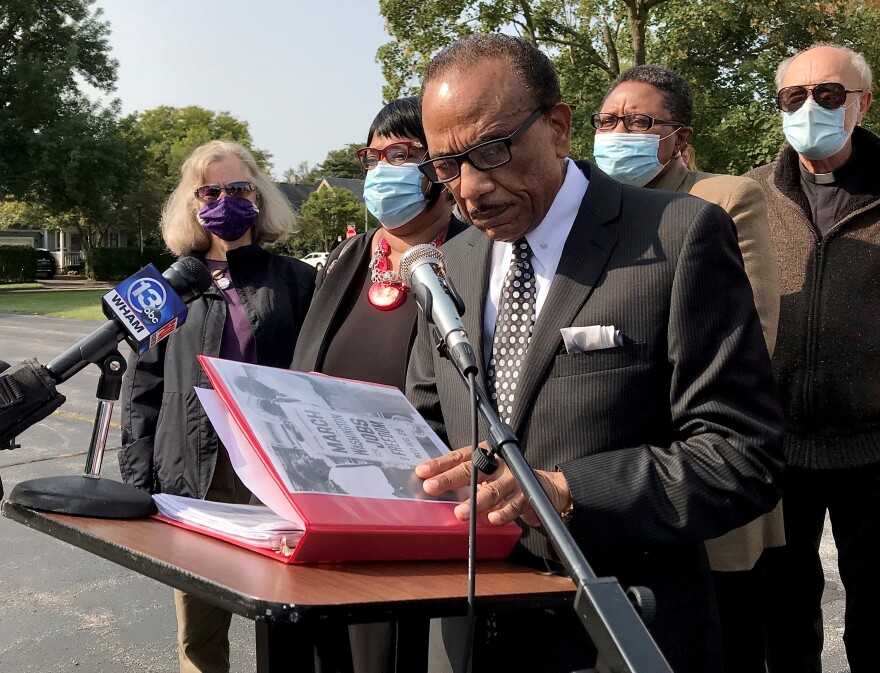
{"x":117,"y":263}
{"x":17,"y":263}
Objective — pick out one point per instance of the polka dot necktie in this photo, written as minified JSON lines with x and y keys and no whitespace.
{"x":513,"y":329}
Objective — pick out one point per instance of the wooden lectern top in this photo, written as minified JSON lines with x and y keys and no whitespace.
{"x":262,"y":589}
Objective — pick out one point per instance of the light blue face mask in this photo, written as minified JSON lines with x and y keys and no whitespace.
{"x":630,"y":158}
{"x":814,"y":132}
{"x":393,"y":194}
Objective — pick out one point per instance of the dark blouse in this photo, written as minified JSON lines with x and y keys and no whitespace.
{"x":368,"y":344}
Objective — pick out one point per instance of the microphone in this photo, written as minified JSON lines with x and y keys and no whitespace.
{"x":423,"y":268}
{"x":143,"y":310}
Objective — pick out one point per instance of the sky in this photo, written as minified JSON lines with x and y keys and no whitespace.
{"x":302,"y":73}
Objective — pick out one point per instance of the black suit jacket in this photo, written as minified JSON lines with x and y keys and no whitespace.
{"x":666,"y":441}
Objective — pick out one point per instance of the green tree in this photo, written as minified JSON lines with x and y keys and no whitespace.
{"x":595,"y":34}
{"x":101,"y":163}
{"x":341,"y":163}
{"x":326,"y":214}
{"x":728,"y":51}
{"x":46,"y":48}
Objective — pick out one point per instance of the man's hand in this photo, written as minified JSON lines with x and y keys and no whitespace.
{"x":498,"y":493}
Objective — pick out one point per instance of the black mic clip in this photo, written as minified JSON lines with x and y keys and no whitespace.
{"x":499,"y":435}
{"x":453,"y":294}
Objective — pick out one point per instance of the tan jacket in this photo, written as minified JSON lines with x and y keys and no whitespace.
{"x":743,"y":200}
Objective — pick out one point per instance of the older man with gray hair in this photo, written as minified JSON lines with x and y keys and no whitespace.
{"x":823,"y":196}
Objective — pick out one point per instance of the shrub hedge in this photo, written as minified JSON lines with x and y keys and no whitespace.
{"x":17,"y":263}
{"x":118,"y":263}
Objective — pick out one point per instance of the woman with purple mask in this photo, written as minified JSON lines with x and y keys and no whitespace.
{"x":222,"y":212}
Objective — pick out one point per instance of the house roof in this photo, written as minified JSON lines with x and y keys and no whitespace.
{"x":351,"y":184}
{"x":297,"y":194}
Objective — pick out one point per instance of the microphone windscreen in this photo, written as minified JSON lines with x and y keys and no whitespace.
{"x":417,"y":255}
{"x":189,"y":278}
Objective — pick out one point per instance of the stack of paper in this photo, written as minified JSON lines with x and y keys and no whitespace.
{"x":252,"y":524}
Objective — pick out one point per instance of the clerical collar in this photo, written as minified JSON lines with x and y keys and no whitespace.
{"x":843,"y":174}
{"x":817,"y":178}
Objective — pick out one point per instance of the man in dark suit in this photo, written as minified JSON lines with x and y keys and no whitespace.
{"x":647,"y":448}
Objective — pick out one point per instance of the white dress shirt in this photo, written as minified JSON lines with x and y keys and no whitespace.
{"x":546,"y":241}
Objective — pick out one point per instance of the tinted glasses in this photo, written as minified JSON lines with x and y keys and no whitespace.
{"x":635,"y":122}
{"x":485,"y":156}
{"x":829,"y":95}
{"x":236,"y":190}
{"x":395,"y":154}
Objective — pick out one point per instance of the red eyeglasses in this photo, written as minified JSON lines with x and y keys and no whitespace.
{"x":395,"y":154}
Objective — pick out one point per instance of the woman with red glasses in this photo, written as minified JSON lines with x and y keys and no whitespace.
{"x":224,"y":211}
{"x":362,"y":321}
{"x":360,"y":298}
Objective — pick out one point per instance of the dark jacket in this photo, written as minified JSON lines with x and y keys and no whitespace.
{"x":340,"y":278}
{"x":827,"y":356}
{"x":665,"y":441}
{"x":168,"y":444}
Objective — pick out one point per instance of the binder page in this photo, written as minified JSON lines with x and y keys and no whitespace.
{"x":252,"y":524}
{"x":245,"y":461}
{"x":328,"y":435}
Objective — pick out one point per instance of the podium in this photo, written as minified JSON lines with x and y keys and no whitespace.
{"x":292,"y":605}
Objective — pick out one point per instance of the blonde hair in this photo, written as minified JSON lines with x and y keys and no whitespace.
{"x":180,"y":227}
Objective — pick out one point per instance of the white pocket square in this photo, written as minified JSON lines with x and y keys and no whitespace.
{"x":590,"y":338}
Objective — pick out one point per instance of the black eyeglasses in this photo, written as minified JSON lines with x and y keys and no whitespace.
{"x":829,"y":95}
{"x":635,"y":121}
{"x":236,"y":190}
{"x":395,"y":154}
{"x":484,"y":157}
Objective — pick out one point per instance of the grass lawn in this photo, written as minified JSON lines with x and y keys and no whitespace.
{"x":20,"y":286}
{"x":79,"y":304}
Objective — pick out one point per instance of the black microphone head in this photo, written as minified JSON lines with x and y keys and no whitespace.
{"x":3,"y":365}
{"x":418,"y":255}
{"x":189,"y":278}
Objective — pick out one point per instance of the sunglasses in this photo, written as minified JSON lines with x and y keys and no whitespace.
{"x":829,"y":95}
{"x":484,"y":157}
{"x":395,"y":154}
{"x":235,"y":190}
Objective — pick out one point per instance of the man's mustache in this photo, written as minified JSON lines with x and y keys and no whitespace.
{"x":484,"y":210}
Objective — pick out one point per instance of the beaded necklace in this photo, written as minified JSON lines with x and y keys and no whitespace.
{"x":388,"y":290}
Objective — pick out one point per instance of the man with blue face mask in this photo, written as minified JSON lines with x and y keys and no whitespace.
{"x":823,"y":197}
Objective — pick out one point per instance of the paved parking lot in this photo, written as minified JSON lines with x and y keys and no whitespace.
{"x":65,"y":610}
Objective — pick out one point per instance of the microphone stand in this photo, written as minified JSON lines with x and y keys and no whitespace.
{"x":89,"y":494}
{"x":606,"y":612}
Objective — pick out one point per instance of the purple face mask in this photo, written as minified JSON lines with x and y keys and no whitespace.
{"x":229,"y":218}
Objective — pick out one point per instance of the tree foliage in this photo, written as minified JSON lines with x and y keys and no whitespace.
{"x":340,"y":163}
{"x":99,"y":162}
{"x":45,"y":48}
{"x":728,"y":51}
{"x":326,"y":214}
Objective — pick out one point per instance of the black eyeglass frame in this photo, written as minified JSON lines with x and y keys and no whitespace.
{"x":409,"y":144}
{"x":627,"y":120}
{"x":427,"y":168}
{"x":236,"y":190}
{"x":810,"y":93}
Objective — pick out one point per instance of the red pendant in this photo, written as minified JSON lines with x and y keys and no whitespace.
{"x":386,"y":296}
